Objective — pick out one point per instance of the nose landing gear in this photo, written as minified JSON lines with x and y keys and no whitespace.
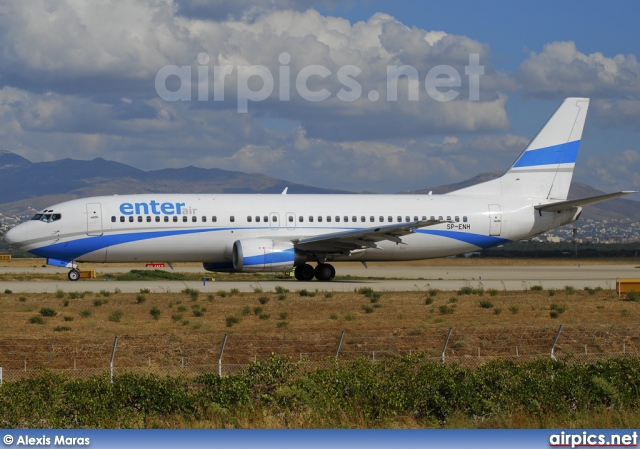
{"x":73,"y":274}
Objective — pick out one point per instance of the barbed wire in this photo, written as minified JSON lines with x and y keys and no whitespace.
{"x":198,"y":353}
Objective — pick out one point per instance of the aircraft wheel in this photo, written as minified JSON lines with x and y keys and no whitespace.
{"x":304,"y":272}
{"x":73,"y":275}
{"x":325,"y":272}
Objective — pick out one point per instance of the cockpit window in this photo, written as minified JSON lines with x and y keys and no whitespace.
{"x":47,"y":218}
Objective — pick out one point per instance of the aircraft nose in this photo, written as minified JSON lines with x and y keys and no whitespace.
{"x":16,"y":235}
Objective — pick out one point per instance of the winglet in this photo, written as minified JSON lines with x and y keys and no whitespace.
{"x":284,"y":192}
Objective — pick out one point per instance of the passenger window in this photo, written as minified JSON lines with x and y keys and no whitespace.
{"x":432,"y":218}
{"x":381,"y":219}
{"x":249,"y":219}
{"x":319,"y":219}
{"x":130,"y":219}
{"x":290,"y":218}
{"x":310,"y":219}
{"x":363,"y":219}
{"x":301,"y":219}
{"x":390,"y":219}
{"x":204,"y":219}
{"x":266,"y":219}
{"x":457,"y":219}
{"x":448,"y":217}
{"x":113,"y":219}
{"x":274,"y":218}
{"x":337,"y":218}
{"x":424,"y":218}
{"x":415,"y":218}
{"x":257,"y":219}
{"x":194,"y":219}
{"x":328,"y":219}
{"x":354,"y":218}
{"x":139,"y":218}
{"x":407,"y":219}
{"x":121,"y":219}
{"x":214,"y":219}
{"x":157,"y":219}
{"x":399,"y":219}
{"x":148,"y":219}
{"x":175,"y":219}
{"x":166,"y":219}
{"x":232,"y":219}
{"x":184,"y":218}
{"x":464,"y":219}
{"x":440,"y":218}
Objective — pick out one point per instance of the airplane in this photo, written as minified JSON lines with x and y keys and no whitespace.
{"x":283,"y":232}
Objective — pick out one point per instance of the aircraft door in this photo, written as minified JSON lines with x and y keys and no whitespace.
{"x":94,"y":219}
{"x":495,"y":217}
{"x":274,"y":220}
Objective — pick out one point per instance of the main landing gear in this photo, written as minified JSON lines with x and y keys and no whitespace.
{"x":73,"y":274}
{"x":322,"y":272}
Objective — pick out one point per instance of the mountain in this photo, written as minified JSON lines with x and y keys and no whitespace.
{"x":28,"y":185}
{"x":618,"y":209}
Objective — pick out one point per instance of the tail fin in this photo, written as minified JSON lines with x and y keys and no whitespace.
{"x":545,"y":168}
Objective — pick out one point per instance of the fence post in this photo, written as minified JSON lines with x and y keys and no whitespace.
{"x":339,"y":344}
{"x":113,"y":355}
{"x":446,"y":342}
{"x":555,"y":340}
{"x":224,"y":342}
{"x":166,"y":353}
{"x":0,"y":375}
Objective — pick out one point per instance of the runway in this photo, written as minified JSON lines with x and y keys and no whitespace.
{"x":396,"y":278}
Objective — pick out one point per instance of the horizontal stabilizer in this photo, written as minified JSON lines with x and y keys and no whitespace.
{"x":566,"y":205}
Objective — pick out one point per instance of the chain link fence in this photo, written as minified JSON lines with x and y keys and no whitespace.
{"x":194,"y":354}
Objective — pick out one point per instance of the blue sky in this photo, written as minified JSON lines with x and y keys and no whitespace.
{"x":80,"y":79}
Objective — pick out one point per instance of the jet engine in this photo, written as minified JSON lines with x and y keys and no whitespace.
{"x":265,"y":255}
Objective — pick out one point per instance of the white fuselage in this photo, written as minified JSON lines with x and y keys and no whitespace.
{"x":203,"y":228}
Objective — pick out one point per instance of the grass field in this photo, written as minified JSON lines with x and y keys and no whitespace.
{"x":162,"y":329}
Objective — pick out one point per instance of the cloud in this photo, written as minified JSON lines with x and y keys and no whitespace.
{"x":561,"y":69}
{"x":78,"y":80}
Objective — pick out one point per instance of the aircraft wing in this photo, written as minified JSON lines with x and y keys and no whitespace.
{"x":346,"y":241}
{"x":569,"y":204}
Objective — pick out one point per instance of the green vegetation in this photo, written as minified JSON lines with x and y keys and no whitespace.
{"x":36,"y":320}
{"x":231,"y":320}
{"x":48,"y":311}
{"x":536,"y":288}
{"x":410,"y":391}
{"x":263,"y":300}
{"x":115,"y":316}
{"x":486,"y":304}
{"x":446,"y":310}
{"x":155,"y":313}
{"x":150,"y":275}
{"x":140,"y":298}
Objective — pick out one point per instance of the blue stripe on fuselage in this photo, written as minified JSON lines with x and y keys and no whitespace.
{"x":479,"y":240}
{"x":73,"y":249}
{"x":565,"y":153}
